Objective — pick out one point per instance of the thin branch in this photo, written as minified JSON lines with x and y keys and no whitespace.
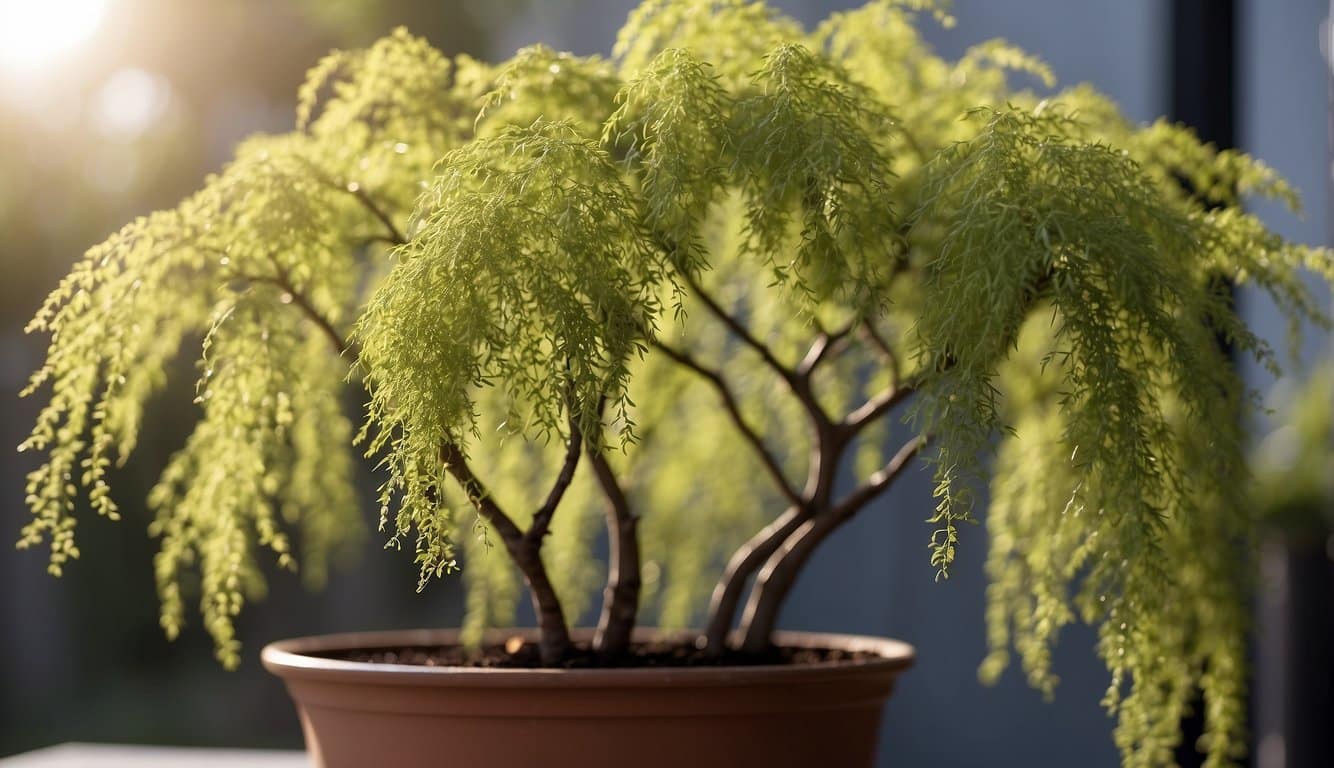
{"x":457,"y":466}
{"x":875,"y":407}
{"x":914,"y":145}
{"x":395,"y":236}
{"x":868,"y":332}
{"x":741,"y":332}
{"x":825,"y":344}
{"x":734,"y":411}
{"x":339,"y":343}
{"x":882,"y":479}
{"x":300,"y":299}
{"x":386,"y":239}
{"x":611,"y":488}
{"x":542,"y":518}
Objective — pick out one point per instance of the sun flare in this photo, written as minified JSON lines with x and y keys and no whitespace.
{"x":34,"y":34}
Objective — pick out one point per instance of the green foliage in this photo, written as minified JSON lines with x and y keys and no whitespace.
{"x":511,"y":258}
{"x":542,"y":84}
{"x":281,"y":232}
{"x":671,"y":127}
{"x":526,"y":273}
{"x":1100,"y":495}
{"x":1078,"y":224}
{"x":1055,"y":557}
{"x":733,"y":35}
{"x":806,"y":157}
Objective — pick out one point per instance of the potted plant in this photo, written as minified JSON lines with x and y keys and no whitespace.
{"x":660,"y":290}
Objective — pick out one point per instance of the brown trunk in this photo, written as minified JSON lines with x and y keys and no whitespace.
{"x":525,"y":550}
{"x":775,"y":581}
{"x":748,"y":559}
{"x":770,"y":543}
{"x":554,"y":642}
{"x":620,"y":598}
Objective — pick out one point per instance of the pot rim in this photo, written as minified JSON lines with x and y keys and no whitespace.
{"x":290,"y":660}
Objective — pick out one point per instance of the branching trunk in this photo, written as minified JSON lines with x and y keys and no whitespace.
{"x":775,"y":580}
{"x":554,"y":641}
{"x":781,"y":549}
{"x":620,"y":598}
{"x":780,"y":571}
{"x":744,"y":563}
{"x":830,"y":441}
{"x":525,"y":551}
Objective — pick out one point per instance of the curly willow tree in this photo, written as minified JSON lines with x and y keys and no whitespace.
{"x":658,"y":290}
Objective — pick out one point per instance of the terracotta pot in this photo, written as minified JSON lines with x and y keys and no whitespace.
{"x":356,"y":715}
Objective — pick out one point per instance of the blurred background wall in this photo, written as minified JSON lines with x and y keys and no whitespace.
{"x":156,"y":98}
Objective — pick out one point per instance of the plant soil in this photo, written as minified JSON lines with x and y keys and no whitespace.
{"x":517,"y":653}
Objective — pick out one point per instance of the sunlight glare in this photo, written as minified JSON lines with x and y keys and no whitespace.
{"x":34,"y":33}
{"x":130,"y":102}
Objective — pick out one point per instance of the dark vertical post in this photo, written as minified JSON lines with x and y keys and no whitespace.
{"x":1203,"y":56}
{"x":1203,"y":96}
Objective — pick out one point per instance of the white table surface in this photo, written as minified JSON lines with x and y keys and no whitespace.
{"x":122,"y":756}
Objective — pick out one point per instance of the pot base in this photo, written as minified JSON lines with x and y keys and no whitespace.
{"x":357,"y":714}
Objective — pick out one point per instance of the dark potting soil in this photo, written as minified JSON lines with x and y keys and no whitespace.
{"x":520,"y":654}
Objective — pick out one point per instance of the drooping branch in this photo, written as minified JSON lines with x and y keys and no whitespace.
{"x":554,"y":644}
{"x":775,"y":580}
{"x":340,"y":344}
{"x":393,"y":235}
{"x":380,"y":238}
{"x":620,"y":598}
{"x":752,"y":437}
